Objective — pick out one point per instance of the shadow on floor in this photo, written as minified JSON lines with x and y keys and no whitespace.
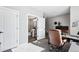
{"x":9,"y":50}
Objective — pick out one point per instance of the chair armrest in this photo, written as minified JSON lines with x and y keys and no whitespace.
{"x":65,"y":40}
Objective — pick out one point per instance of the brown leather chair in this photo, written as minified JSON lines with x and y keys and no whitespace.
{"x":55,"y":38}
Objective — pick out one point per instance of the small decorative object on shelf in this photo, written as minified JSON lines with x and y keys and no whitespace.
{"x":59,"y":24}
{"x":78,"y":33}
{"x":55,"y":22}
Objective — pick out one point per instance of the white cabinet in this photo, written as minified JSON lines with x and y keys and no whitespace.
{"x":8,"y":27}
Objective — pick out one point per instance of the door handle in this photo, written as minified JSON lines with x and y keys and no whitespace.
{"x":0,"y":43}
{"x":1,"y":32}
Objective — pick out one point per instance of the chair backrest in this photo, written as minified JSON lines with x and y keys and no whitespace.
{"x":55,"y":37}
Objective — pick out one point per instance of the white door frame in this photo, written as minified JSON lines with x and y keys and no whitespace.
{"x":27,"y":23}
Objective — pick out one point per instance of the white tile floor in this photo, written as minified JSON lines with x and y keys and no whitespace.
{"x":28,"y":48}
{"x":33,"y":47}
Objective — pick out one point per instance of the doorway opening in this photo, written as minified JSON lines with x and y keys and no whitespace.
{"x":32,"y":28}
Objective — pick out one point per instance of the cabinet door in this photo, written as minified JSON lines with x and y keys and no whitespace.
{"x":10,"y":31}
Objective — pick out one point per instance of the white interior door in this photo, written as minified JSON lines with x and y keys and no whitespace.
{"x":8,"y":28}
{"x":40,"y":28}
{"x":10,"y":31}
{"x":1,"y":31}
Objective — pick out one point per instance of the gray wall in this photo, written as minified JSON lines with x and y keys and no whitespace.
{"x":64,"y":19}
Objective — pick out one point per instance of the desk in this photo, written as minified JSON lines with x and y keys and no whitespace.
{"x":71,"y":37}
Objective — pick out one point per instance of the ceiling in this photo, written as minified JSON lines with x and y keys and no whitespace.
{"x":48,"y":11}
